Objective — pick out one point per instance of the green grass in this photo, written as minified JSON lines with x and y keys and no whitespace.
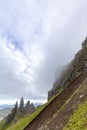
{"x":22,"y":123}
{"x":79,"y":119}
{"x":4,"y":126}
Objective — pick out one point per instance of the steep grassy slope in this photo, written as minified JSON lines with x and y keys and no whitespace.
{"x":61,"y":118}
{"x":57,"y":113}
{"x":3,"y":126}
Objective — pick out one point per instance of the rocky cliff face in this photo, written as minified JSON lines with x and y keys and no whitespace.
{"x":76,"y":67}
{"x":18,"y":112}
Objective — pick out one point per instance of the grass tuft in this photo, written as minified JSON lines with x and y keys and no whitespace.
{"x":79,"y":119}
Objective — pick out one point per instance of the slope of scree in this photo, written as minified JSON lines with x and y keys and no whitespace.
{"x":73,"y":79}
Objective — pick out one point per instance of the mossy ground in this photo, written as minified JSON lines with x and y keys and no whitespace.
{"x":79,"y":119}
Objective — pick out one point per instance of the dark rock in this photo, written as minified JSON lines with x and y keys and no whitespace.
{"x":20,"y":111}
{"x":11,"y":116}
{"x":84,"y":44}
{"x":30,"y":107}
{"x":21,"y":102}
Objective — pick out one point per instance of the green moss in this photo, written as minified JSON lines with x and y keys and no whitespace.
{"x":79,"y":119}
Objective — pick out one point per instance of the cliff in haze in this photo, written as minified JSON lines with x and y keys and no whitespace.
{"x":67,"y":97}
{"x":76,"y":67}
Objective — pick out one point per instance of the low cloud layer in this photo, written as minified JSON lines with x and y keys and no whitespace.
{"x":36,"y":38}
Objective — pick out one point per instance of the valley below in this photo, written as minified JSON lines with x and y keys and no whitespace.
{"x":5,"y":110}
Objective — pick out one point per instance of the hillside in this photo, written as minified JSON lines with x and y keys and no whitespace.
{"x":79,"y":119}
{"x":74,"y":81}
{"x":66,"y":108}
{"x":58,"y":112}
{"x":16,"y":113}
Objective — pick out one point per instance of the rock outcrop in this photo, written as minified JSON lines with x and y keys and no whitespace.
{"x":77,"y":66}
{"x":11,"y":116}
{"x":20,"y":111}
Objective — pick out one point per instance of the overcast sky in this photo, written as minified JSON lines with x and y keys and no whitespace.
{"x":36,"y":38}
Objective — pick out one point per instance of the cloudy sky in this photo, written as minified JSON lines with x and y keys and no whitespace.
{"x":36,"y":38}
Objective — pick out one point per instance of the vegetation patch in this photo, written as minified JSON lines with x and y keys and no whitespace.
{"x":79,"y":119}
{"x":4,"y":126}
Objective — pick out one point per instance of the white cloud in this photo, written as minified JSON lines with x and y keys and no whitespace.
{"x":36,"y":37}
{"x":17,"y":70}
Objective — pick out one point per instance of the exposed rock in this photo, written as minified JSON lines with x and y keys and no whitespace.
{"x":21,"y":103}
{"x":32,"y":108}
{"x":77,"y":66}
{"x":84,"y":44}
{"x":29,"y":108}
{"x":11,"y":116}
{"x":20,"y":111}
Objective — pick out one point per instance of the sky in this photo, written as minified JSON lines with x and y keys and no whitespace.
{"x":36,"y":38}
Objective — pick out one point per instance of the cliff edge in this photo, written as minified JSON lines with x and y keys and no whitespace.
{"x":76,"y":67}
